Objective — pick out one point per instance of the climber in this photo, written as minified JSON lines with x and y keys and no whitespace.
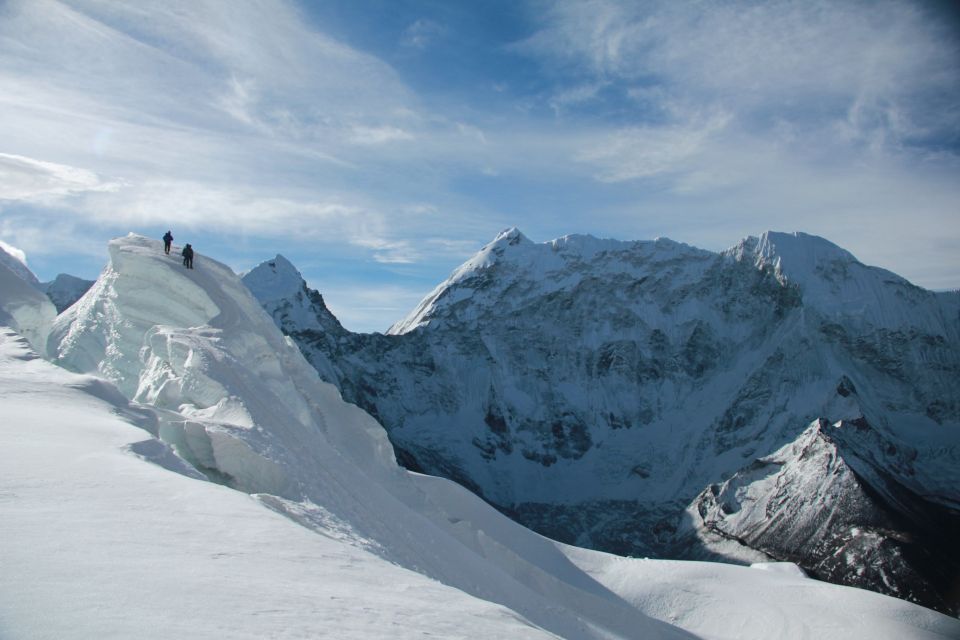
{"x":167,"y":240}
{"x":187,"y":254}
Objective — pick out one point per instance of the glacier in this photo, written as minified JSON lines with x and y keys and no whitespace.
{"x":591,"y":389}
{"x":184,"y":471}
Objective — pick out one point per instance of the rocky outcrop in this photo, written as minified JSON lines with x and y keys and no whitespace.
{"x":823,"y":503}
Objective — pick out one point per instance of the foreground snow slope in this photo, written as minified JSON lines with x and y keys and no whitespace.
{"x":101,"y":543}
{"x":97,"y":543}
{"x":703,"y":596}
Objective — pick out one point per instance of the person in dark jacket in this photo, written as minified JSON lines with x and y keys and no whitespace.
{"x":187,"y":254}
{"x":167,"y":241}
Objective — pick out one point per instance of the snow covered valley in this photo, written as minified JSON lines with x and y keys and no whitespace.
{"x":174,"y":467}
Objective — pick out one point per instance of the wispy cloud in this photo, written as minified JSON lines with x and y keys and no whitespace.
{"x":421,"y":33}
{"x":24,"y":178}
{"x":14,"y":251}
{"x":646,"y":151}
{"x":239,"y":118}
{"x":877,"y":68}
{"x":367,"y":135}
{"x":700,"y":121}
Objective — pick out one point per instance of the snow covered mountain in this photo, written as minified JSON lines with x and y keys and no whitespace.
{"x":193,"y":477}
{"x":592,"y":389}
{"x":64,"y":290}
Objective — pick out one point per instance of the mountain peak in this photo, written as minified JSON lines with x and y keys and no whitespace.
{"x":794,"y":254}
{"x":65,"y":289}
{"x":274,"y":279}
{"x":511,"y":236}
{"x":284,"y":294}
{"x":800,"y":250}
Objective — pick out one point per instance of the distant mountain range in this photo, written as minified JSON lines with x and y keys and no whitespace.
{"x":778,"y":400}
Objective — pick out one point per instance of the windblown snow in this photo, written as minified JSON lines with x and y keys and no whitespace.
{"x":184,"y":472}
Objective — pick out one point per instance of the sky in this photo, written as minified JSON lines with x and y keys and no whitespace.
{"x":378,"y":144}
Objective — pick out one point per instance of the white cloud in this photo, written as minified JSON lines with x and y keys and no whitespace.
{"x":19,"y":254}
{"x":23,"y":178}
{"x":237,"y":116}
{"x":422,"y":33}
{"x":366,"y":135}
{"x":643,"y":152}
{"x":874,"y":66}
{"x":246,"y":118}
{"x":576,"y":95}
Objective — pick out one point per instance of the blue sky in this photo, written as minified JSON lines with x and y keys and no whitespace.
{"x":378,"y":144}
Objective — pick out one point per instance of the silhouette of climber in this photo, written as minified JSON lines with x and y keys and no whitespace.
{"x":167,"y":240}
{"x":187,"y":254}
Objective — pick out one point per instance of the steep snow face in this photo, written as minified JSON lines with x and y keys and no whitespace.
{"x":592,"y":388}
{"x":298,"y":311}
{"x":22,"y":306}
{"x":65,"y":290}
{"x":62,"y":291}
{"x":841,"y":288}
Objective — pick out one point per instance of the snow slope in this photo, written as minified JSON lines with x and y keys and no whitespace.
{"x":22,"y":306}
{"x":109,"y":532}
{"x":593,"y":388}
{"x":98,"y":543}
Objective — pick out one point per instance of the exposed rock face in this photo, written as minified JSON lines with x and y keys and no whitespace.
{"x":592,"y":388}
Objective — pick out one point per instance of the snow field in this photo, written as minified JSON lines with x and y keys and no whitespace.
{"x":99,"y":544}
